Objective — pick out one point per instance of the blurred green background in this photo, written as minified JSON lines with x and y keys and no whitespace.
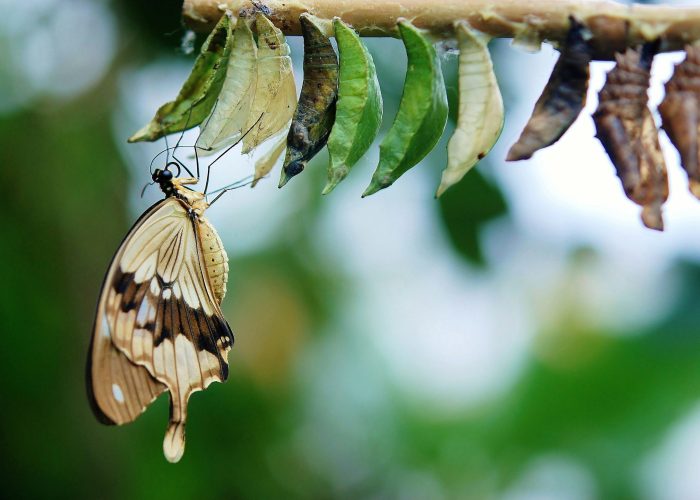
{"x":522,"y":338}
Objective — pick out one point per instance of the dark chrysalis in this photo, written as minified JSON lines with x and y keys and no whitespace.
{"x":563,"y":97}
{"x":626,"y":129}
{"x":680,"y":114}
{"x":315,"y":112}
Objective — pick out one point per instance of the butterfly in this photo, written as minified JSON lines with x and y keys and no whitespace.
{"x":159,"y":325}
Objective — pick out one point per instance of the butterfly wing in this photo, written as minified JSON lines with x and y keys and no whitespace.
{"x":158,"y":313}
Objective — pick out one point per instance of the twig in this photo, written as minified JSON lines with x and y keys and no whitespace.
{"x":614,"y":26}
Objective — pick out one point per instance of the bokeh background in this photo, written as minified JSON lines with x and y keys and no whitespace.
{"x":523,"y":338}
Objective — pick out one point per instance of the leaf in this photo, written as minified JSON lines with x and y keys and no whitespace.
{"x":315,"y":112}
{"x":225,"y":124}
{"x":562,"y":100}
{"x":680,"y":114}
{"x":422,"y":113}
{"x":275,"y":93}
{"x":626,"y":128}
{"x":265,"y":163}
{"x":199,"y":92}
{"x":466,"y":209}
{"x":359,"y":108}
{"x":480,"y":116}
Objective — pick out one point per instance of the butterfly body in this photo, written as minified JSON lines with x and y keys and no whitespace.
{"x":159,"y":324}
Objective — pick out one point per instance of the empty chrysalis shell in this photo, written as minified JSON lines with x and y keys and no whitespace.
{"x":275,"y":92}
{"x":422,"y":113}
{"x":224,"y":126}
{"x":680,"y":114}
{"x":563,"y":97}
{"x":480,"y":115}
{"x":199,"y":92}
{"x":626,"y":129}
{"x":315,"y":111}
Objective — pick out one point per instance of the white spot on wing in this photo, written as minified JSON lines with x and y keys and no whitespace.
{"x":117,"y":393}
{"x":105,"y":326}
{"x":144,"y":310}
{"x":155,"y":288}
{"x":166,"y":293}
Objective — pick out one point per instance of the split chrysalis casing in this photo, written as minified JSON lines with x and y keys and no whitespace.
{"x":562,"y":99}
{"x":626,"y":128}
{"x":680,"y":114}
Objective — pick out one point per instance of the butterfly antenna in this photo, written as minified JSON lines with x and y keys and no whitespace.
{"x":177,"y":145}
{"x":167,"y":149}
{"x":206,"y":184}
{"x":143,"y":191}
{"x":180,"y":164}
{"x":231,"y":187}
{"x":196,"y":147}
{"x":238,"y":183}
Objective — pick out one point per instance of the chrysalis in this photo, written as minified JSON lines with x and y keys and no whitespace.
{"x":275,"y":92}
{"x":359,"y":108}
{"x":422,"y":114}
{"x":562,"y":100}
{"x":627,"y":131}
{"x":315,"y":111}
{"x":226,"y":122}
{"x":199,"y":92}
{"x":480,"y":113}
{"x":680,"y":114}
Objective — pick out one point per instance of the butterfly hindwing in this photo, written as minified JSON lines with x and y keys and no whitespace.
{"x":160,"y":314}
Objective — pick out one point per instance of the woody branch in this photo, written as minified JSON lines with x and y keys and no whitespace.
{"x":614,"y":26}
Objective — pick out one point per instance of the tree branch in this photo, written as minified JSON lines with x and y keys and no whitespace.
{"x":614,"y":26}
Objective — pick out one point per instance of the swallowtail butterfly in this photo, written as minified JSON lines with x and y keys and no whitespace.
{"x":159,"y":324}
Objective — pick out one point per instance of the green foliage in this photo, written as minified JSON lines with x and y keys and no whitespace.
{"x":466,"y":209}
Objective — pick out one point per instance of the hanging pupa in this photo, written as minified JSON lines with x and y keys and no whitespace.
{"x":422,"y":113}
{"x":480,"y":115}
{"x":626,"y":128}
{"x":563,"y":97}
{"x":359,"y":107}
{"x":680,"y":114}
{"x":275,"y":94}
{"x":224,"y":125}
{"x":315,"y":111}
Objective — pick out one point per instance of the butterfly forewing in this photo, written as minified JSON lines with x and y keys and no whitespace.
{"x":159,"y":325}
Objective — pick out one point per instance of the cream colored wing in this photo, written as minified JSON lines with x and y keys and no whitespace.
{"x":158,"y":311}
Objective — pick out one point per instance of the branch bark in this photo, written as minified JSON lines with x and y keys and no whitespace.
{"x":614,"y":26}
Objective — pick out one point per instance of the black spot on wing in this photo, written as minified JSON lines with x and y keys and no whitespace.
{"x":174,"y":316}
{"x":167,"y":323}
{"x":122,"y":281}
{"x":130,"y":292}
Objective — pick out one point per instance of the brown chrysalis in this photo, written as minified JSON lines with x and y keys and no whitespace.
{"x":563,"y":97}
{"x":626,"y":129}
{"x":315,"y":112}
{"x":680,"y":114}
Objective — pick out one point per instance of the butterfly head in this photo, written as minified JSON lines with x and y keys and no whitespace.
{"x":172,"y":185}
{"x":164,"y":178}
